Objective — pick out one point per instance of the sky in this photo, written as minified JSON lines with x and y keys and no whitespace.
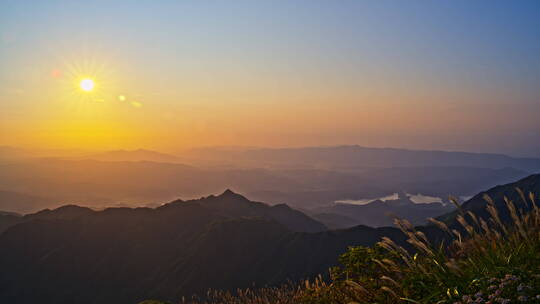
{"x":169,"y":75}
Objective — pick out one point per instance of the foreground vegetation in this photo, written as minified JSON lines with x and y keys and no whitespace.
{"x":483,"y":261}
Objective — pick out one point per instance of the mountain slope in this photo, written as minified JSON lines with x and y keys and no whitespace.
{"x":382,"y":213}
{"x":477,"y":203}
{"x":7,"y":220}
{"x":123,"y":255}
{"x":232,"y":205}
{"x":335,"y":221}
{"x":235,"y":205}
{"x":226,"y":205}
{"x":120,"y":258}
{"x":67,"y":212}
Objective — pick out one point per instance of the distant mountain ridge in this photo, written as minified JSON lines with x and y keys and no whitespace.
{"x":381,"y":213}
{"x":124,"y":255}
{"x":101,"y":183}
{"x":355,"y":156}
{"x":135,"y":155}
{"x":328,"y":157}
{"x":226,"y":205}
{"x":234,"y":205}
{"x":300,"y":177}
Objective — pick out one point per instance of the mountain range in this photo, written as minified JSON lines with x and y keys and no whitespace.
{"x":134,"y":156}
{"x":378,"y":213}
{"x":180,"y":248}
{"x":354,"y":157}
{"x":477,"y":204}
{"x":99,"y":183}
{"x":124,"y":255}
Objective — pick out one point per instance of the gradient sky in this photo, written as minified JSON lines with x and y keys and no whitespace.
{"x":451,"y":75}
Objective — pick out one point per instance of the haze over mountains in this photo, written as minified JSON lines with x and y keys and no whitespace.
{"x":134,"y":156}
{"x":358,"y":157}
{"x":123,"y":255}
{"x":315,"y":207}
{"x":23,"y":203}
{"x":305,"y":178}
{"x":378,"y":213}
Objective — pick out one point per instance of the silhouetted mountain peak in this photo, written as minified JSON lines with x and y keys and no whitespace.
{"x":229,"y":195}
{"x":71,"y":207}
{"x":233,"y":205}
{"x":211,"y":201}
{"x":178,"y":201}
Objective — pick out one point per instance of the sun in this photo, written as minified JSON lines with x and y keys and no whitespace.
{"x":87,"y":84}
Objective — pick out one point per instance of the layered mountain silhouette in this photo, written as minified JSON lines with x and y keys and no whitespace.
{"x":226,"y":205}
{"x":379,"y":213}
{"x":135,"y":183}
{"x":135,"y":156}
{"x":233,"y":205}
{"x":353,"y":156}
{"x":335,"y":221}
{"x":123,"y":255}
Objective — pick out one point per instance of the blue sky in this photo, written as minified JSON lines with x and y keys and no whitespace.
{"x":468,"y":61}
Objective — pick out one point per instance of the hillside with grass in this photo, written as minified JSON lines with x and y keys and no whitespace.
{"x":492,"y":257}
{"x":213,"y":246}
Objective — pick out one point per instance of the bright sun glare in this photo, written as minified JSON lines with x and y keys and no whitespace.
{"x":87,"y":84}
